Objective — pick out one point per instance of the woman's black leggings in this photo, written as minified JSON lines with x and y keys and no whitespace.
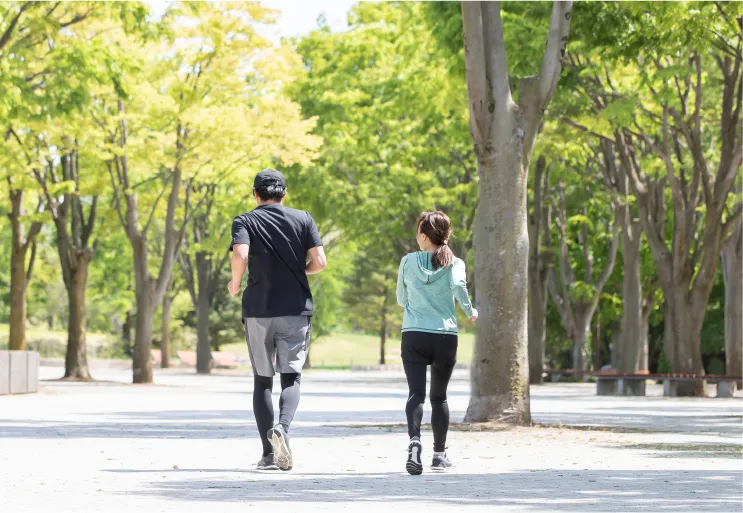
{"x":420,"y":349}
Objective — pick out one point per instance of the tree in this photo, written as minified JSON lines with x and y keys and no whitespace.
{"x":503,"y":134}
{"x":732,"y":272}
{"x":540,"y":220}
{"x":577,"y":300}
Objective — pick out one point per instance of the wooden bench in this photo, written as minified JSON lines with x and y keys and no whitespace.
{"x":611,"y":382}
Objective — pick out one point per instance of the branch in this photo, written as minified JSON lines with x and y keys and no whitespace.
{"x":474,"y":58}
{"x":30,"y":269}
{"x":557,"y":41}
{"x":495,"y":55}
{"x":152,"y":212}
{"x":5,"y":38}
{"x":585,"y":129}
{"x":88,"y":229}
{"x":117,"y":201}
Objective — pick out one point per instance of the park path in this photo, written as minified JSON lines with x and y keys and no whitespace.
{"x":188,"y":444}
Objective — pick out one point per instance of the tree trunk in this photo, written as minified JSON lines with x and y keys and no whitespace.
{"x":500,"y":381}
{"x":203,"y":348}
{"x":580,"y":337}
{"x":203,"y":307}
{"x":732,"y":272}
{"x":503,"y":135}
{"x":165,"y":336}
{"x":537,"y":326}
{"x":144,"y":296}
{"x":632,"y":340}
{"x":383,"y":335}
{"x":686,"y":336}
{"x":76,"y":358}
{"x":17,"y":341}
{"x":126,"y":332}
{"x":539,"y":226}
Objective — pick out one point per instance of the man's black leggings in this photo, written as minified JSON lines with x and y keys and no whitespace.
{"x":420,"y":349}
{"x":263,"y":404}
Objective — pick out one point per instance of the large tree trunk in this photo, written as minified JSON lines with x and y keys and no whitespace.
{"x":580,"y":337}
{"x":503,"y":135}
{"x":203,"y":307}
{"x":165,"y":334}
{"x":632,"y":341}
{"x":732,"y":272}
{"x":76,"y":358}
{"x":686,"y":334}
{"x":500,"y":381}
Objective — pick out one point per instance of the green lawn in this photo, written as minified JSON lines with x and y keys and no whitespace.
{"x":345,"y":349}
{"x":49,"y":342}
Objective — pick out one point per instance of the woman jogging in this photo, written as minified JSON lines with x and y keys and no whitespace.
{"x":427,"y":285}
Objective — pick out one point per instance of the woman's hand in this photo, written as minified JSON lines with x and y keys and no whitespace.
{"x":474,"y":315}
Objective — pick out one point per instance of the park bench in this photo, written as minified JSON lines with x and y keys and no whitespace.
{"x":611,"y":382}
{"x":187,"y":358}
{"x":223,"y":359}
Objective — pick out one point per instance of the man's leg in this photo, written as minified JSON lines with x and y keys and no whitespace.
{"x":259,"y":337}
{"x":292,"y":335}
{"x":263,"y":409}
{"x":289,"y":398}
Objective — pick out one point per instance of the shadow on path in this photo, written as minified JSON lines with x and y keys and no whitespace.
{"x":578,"y":491}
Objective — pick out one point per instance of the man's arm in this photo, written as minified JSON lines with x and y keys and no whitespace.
{"x":318,"y":261}
{"x":239,"y":263}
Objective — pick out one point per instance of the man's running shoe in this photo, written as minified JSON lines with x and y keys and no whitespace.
{"x":268,"y":462}
{"x":414,"y":465}
{"x":280,"y":442}
{"x":441,"y":462}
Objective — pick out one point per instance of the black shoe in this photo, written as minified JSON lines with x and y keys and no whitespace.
{"x":280,"y":442}
{"x":441,"y":463}
{"x":268,"y":462}
{"x":414,"y":465}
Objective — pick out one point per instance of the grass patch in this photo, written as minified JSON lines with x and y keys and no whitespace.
{"x":341,"y":350}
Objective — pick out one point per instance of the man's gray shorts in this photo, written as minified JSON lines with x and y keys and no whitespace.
{"x":283,"y":339}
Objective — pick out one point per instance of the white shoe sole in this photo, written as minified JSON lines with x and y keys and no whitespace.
{"x":414,"y":468}
{"x":281,"y":451}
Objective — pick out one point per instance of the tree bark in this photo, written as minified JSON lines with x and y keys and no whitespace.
{"x":631,"y":352}
{"x":503,"y":135}
{"x":165,"y":335}
{"x":203,"y":307}
{"x":732,"y":272}
{"x":76,"y":357}
{"x":383,"y":332}
{"x":539,"y":251}
{"x":145,"y":301}
{"x":19,"y":273}
{"x":18,"y":285}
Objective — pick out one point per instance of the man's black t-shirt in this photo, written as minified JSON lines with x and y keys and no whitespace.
{"x":279,"y":239}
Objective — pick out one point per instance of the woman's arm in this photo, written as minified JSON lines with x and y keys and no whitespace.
{"x":459,"y":288}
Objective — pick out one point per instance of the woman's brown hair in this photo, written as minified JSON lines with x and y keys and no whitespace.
{"x":437,"y":227}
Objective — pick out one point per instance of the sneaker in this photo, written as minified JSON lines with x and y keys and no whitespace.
{"x":441,"y":462}
{"x":280,"y":442}
{"x":414,"y":465}
{"x":268,"y":462}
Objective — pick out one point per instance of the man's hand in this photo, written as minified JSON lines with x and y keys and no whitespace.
{"x":474,"y":315}
{"x":233,"y":288}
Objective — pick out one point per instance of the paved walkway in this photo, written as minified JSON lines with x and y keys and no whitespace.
{"x":188,"y":444}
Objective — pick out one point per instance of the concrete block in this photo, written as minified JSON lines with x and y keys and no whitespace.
{"x":18,"y":372}
{"x":725,"y":388}
{"x":667,"y":388}
{"x":631,"y":387}
{"x":34,"y":360}
{"x":606,"y":386}
{"x":4,"y":372}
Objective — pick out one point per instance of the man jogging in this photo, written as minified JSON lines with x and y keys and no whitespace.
{"x":272,"y":241}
